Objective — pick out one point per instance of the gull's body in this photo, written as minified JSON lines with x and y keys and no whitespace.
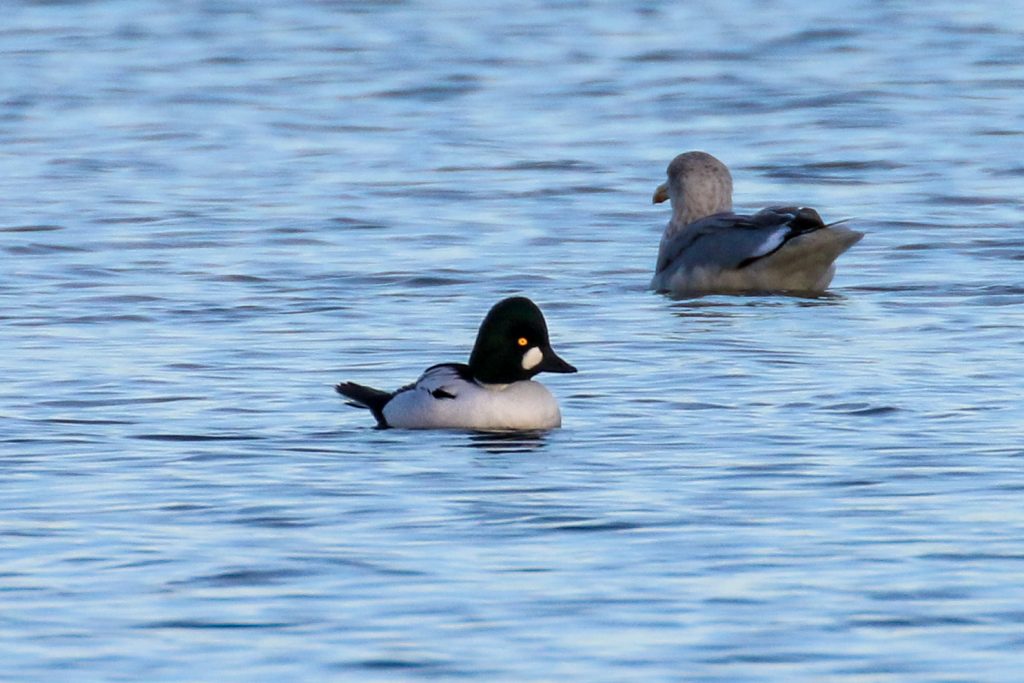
{"x":706,"y":248}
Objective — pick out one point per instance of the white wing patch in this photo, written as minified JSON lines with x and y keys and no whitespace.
{"x":772,"y":243}
{"x":532,"y":358}
{"x":442,"y":377}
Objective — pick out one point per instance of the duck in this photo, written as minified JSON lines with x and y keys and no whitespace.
{"x":707,"y":249}
{"x":493,"y":391}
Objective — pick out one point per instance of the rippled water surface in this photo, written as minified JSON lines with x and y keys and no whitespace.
{"x":215,"y":210}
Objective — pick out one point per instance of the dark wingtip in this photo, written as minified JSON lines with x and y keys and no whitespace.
{"x":806,"y":219}
{"x":839,"y":222}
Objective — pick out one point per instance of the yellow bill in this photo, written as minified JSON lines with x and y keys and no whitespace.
{"x":661,"y":194}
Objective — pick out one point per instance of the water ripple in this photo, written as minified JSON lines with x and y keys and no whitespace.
{"x":213,"y":213}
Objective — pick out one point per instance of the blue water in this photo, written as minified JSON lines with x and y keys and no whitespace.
{"x":213,"y":211}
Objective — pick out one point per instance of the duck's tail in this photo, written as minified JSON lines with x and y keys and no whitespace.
{"x":361,"y":396}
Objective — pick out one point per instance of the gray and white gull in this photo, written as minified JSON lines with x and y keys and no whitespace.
{"x":708,"y":249}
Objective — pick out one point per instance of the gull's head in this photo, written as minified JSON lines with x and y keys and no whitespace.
{"x":698,"y":185}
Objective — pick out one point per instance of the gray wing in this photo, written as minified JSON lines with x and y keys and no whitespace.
{"x":730,"y":241}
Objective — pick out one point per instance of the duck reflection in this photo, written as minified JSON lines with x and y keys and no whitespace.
{"x":508,"y":442}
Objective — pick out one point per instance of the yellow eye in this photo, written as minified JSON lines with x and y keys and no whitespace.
{"x":522,"y":341}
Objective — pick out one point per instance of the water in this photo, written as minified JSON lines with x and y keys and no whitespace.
{"x":213,"y":211}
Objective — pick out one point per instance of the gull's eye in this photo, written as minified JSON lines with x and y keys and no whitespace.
{"x":522,"y":341}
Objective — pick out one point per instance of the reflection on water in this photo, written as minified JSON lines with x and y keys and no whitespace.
{"x":508,"y":442}
{"x":213,"y":212}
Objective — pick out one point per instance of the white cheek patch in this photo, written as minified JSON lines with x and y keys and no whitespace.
{"x":532,"y":358}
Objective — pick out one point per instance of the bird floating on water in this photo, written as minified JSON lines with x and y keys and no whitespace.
{"x":494,"y":391}
{"x":706,"y":248}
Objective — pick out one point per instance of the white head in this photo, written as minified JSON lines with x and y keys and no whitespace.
{"x":699,"y":185}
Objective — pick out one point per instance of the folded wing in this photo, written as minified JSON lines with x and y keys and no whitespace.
{"x":733,"y":241}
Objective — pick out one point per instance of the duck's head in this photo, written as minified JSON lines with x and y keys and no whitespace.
{"x":698,"y":185}
{"x":513,"y":344}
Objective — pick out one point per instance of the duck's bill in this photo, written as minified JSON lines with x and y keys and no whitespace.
{"x":661,"y":194}
{"x":552,"y":363}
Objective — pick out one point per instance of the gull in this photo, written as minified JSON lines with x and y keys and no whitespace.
{"x":706,"y":248}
